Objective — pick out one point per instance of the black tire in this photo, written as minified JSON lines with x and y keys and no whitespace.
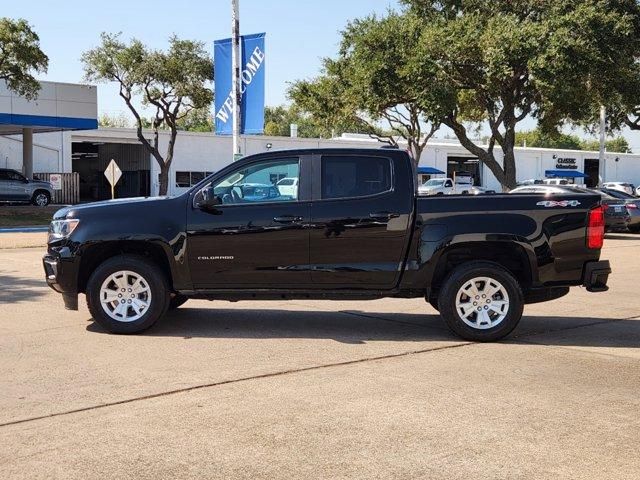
{"x":177,"y":300}
{"x":41,"y":198}
{"x":151,"y":274}
{"x":458,"y":278}
{"x":634,"y":229}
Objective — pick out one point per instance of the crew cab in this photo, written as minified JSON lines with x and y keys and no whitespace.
{"x":354,"y":228}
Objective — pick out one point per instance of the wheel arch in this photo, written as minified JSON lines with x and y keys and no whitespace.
{"x":510,"y":255}
{"x":96,"y":254}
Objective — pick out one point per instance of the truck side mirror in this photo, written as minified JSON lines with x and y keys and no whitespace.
{"x":209,"y":199}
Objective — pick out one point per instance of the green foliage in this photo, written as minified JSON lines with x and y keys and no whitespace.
{"x":617,"y":144}
{"x":20,"y":55}
{"x":114,"y":121}
{"x":197,"y":120}
{"x":278,"y":120}
{"x":499,"y":62}
{"x":539,"y":139}
{"x":371,"y":85}
{"x":171,"y":83}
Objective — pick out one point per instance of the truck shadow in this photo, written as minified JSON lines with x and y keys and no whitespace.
{"x":17,"y":289}
{"x":355,"y":327}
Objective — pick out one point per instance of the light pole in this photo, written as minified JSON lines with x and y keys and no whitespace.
{"x":235,"y":68}
{"x":602,"y":167}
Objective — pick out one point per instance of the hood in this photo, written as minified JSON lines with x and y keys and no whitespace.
{"x":104,"y":206}
{"x":41,"y":182}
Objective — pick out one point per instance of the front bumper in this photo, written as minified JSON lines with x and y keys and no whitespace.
{"x":61,"y":273}
{"x":595,"y":276}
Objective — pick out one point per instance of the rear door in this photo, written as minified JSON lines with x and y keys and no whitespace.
{"x":360,"y":219}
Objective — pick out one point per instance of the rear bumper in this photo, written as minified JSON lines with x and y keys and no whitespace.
{"x":595,"y":276}
{"x":618,"y":223}
{"x":61,"y":273}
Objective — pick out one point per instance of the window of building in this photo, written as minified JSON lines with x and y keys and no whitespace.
{"x":345,"y":177}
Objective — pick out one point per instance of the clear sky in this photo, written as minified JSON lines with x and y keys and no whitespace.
{"x":299,"y":34}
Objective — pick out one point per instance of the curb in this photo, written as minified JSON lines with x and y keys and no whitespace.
{"x":24,"y":229}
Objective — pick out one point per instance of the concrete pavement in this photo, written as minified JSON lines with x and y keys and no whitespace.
{"x":376,"y":389}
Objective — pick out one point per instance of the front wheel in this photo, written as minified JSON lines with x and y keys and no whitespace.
{"x":127,"y":294}
{"x":481,"y":301}
{"x":41,"y":198}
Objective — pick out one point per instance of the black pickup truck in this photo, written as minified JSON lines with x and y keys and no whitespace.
{"x":326,"y":224}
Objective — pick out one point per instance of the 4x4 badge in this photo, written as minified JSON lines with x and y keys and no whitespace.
{"x":560,"y":203}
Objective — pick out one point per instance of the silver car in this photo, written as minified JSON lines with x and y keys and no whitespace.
{"x":15,"y":187}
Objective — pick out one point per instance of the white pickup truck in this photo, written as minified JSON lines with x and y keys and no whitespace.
{"x":446,"y":186}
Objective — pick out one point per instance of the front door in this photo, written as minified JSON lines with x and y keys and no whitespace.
{"x":13,"y":186}
{"x":360,"y":220}
{"x":257,"y":236}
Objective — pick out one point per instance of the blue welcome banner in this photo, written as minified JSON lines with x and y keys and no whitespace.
{"x":251,"y":86}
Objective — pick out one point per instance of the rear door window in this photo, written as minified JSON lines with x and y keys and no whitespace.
{"x":355,"y":176}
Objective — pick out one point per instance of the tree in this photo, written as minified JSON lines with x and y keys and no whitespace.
{"x":371,"y":86}
{"x":20,"y":55}
{"x":617,"y":144}
{"x":197,"y":120}
{"x":114,"y":121}
{"x":171,"y":84}
{"x":278,"y":120}
{"x":538,"y":138}
{"x":500,"y":62}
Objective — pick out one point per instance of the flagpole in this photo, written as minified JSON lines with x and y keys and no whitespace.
{"x":235,"y":68}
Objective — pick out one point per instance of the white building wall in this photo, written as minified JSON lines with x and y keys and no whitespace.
{"x":205,"y":152}
{"x":51,"y":152}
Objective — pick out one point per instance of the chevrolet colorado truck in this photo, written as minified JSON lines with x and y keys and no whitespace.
{"x":352,"y":228}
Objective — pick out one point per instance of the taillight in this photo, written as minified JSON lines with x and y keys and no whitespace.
{"x":631,"y":206}
{"x":595,"y":228}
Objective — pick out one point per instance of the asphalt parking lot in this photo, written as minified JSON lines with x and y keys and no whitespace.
{"x":310,"y":389}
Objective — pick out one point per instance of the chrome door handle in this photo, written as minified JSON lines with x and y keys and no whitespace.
{"x":287,"y":219}
{"x":383,"y":215}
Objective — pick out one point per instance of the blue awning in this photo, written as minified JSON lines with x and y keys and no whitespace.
{"x":564,"y":174}
{"x":429,"y":171}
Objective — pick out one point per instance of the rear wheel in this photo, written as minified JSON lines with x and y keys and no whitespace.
{"x":481,"y":301}
{"x":127,"y":294}
{"x":635,"y":229}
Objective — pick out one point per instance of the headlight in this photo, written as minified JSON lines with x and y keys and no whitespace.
{"x":60,"y":229}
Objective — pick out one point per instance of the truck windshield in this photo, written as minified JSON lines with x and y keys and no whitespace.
{"x":434,"y":182}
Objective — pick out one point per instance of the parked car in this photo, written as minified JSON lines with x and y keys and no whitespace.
{"x":356,"y":231}
{"x":445,"y":186}
{"x":620,"y":186}
{"x":556,"y":181}
{"x":477,"y":191}
{"x":288,"y":187}
{"x":616,"y":216}
{"x":633,"y":207}
{"x":15,"y":187}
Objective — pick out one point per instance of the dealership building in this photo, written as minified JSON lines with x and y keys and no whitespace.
{"x":88,"y":152}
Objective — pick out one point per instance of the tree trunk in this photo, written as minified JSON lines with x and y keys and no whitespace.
{"x":164,"y":179}
{"x":486,"y":157}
